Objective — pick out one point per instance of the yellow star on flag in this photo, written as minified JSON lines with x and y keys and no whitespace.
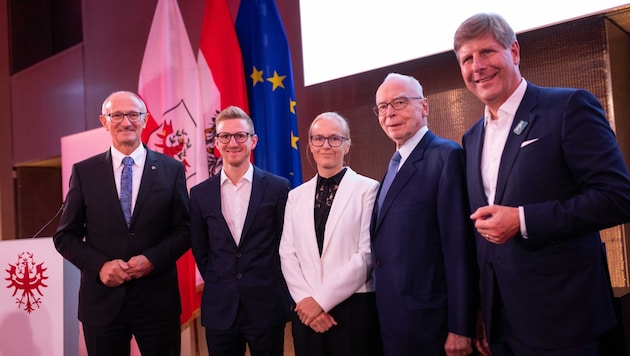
{"x":257,"y":76}
{"x":294,"y":140}
{"x":276,"y":80}
{"x":292,"y":104}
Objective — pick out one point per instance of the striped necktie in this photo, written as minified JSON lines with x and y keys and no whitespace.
{"x":126,"y":179}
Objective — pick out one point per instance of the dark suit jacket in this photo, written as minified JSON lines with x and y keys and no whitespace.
{"x":247,"y":276}
{"x":92,"y":230}
{"x":423,"y":247}
{"x":567,"y":172}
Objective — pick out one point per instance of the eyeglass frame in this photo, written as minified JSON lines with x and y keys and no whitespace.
{"x":228,"y":136}
{"x":325,"y":139}
{"x":377,"y":108}
{"x":123,"y":115}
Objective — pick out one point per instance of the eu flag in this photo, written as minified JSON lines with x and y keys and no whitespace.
{"x":270,"y":89}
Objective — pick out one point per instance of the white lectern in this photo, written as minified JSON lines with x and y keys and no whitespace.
{"x":38,"y":304}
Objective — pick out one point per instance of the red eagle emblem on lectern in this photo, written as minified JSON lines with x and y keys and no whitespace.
{"x":27,"y":276}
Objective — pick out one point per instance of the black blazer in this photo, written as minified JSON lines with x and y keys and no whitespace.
{"x":92,"y":230}
{"x":246,"y":277}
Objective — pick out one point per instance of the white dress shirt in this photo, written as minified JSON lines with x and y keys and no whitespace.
{"x":495,"y":137}
{"x":235,"y":201}
{"x":408,"y":147}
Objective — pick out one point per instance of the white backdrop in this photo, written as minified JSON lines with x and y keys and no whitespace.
{"x":340,"y":39}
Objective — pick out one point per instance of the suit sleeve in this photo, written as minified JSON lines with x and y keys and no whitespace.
{"x":596,"y":194}
{"x":199,"y":240}
{"x":290,"y":264}
{"x":69,"y":237}
{"x":284,"y":189}
{"x":458,"y":248}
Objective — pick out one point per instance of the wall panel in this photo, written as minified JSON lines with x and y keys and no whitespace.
{"x":47,"y":103}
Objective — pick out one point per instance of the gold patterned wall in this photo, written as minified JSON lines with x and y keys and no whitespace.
{"x":590,"y":53}
{"x":579,"y":54}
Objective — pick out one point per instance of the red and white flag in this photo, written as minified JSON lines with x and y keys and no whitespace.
{"x":221,"y":73}
{"x":169,"y":84}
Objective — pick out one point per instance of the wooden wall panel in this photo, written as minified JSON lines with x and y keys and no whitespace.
{"x":562,"y":55}
{"x":7,"y":198}
{"x":38,"y":197}
{"x":47,"y":103}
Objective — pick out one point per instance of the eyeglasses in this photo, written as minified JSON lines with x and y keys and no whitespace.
{"x":333,"y":141}
{"x":398,"y":104}
{"x":240,"y":136}
{"x":117,"y":117}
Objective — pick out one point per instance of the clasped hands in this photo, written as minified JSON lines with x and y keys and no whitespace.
{"x":116,"y":272}
{"x":311,"y":314}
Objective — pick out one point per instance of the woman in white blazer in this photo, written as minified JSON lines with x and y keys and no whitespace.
{"x":325,"y":251}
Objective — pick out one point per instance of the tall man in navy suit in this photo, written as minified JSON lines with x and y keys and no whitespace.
{"x":544,"y":175}
{"x":422,"y":243}
{"x":236,"y":223}
{"x":128,"y":268}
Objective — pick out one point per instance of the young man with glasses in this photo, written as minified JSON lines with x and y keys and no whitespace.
{"x":236,"y":224}
{"x":422,"y":244}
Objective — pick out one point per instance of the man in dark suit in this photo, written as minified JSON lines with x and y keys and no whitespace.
{"x":422,"y":242}
{"x":236,"y":224}
{"x":128,"y":268}
{"x":544,"y":175}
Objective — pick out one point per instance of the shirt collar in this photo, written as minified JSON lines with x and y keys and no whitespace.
{"x":407,"y":147}
{"x":336,"y":179}
{"x":248,"y":176}
{"x":509,"y":108}
{"x":138,"y":156}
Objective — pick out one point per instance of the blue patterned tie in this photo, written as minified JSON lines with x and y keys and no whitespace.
{"x":389,"y":178}
{"x":126,"y":179}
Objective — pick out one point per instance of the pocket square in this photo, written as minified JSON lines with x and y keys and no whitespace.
{"x":525,"y":143}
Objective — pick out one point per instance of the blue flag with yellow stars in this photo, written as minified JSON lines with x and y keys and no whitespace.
{"x":270,"y":89}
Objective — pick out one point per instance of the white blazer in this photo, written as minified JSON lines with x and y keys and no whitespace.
{"x":345,"y":266}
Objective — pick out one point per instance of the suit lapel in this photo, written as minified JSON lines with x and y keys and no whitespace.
{"x":473,"y":169}
{"x":105,"y":169}
{"x":214,"y":201}
{"x":149,"y":173}
{"x":259,"y":185}
{"x":404,"y":174}
{"x":307,"y":218}
{"x":521,"y":125}
{"x":342,"y":197}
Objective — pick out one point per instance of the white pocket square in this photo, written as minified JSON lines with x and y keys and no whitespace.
{"x":525,"y":143}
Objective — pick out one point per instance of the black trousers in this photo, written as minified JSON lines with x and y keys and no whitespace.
{"x":154,"y":335}
{"x":268,"y":341}
{"x":357,"y":331}
{"x":503,"y":341}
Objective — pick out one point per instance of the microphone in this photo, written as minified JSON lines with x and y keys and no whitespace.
{"x":49,"y":221}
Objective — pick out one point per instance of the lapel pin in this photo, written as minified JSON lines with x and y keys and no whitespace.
{"x":153,"y":168}
{"x":520,"y":127}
